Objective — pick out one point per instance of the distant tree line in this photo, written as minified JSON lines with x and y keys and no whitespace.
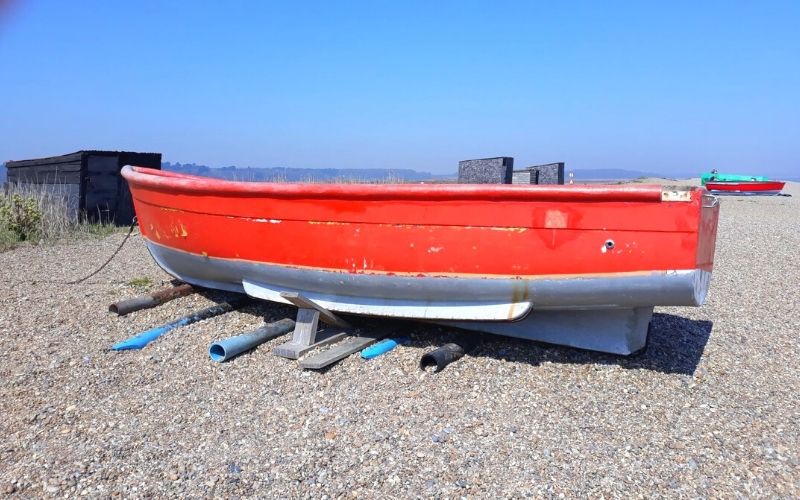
{"x":289,"y":174}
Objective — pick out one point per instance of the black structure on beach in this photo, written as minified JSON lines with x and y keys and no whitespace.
{"x":90,"y":181}
{"x":500,"y":170}
{"x":486,"y":170}
{"x":550,"y":173}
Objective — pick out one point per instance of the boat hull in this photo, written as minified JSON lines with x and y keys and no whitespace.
{"x":606,"y":313}
{"x":619,"y":330}
{"x":746,"y":188}
{"x":717,"y":177}
{"x":438,"y":297}
{"x":515,"y":260}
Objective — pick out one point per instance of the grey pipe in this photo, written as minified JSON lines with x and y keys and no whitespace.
{"x":154,"y":299}
{"x":223,"y":350}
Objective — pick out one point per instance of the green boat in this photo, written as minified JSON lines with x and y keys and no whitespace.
{"x":716,"y":176}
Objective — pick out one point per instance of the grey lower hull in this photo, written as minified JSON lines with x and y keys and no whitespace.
{"x":606,"y":313}
{"x":616,"y":331}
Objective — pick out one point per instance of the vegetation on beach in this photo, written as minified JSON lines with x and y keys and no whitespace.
{"x":140,"y":282}
{"x":20,"y":217}
{"x":38,"y":216}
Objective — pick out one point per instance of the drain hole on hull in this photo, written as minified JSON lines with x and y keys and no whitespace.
{"x":609,"y":244}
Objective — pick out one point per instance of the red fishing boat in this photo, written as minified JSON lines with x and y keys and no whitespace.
{"x":764,"y":188}
{"x":575,"y":265}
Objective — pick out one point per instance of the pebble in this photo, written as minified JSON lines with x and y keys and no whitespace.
{"x":707,"y":410}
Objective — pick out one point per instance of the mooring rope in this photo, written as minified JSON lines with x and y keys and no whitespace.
{"x":130,"y":231}
{"x":81,"y":280}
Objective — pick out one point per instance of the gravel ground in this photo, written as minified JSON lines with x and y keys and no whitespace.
{"x":709,"y":409}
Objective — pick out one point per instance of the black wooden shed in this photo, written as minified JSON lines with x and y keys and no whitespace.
{"x":550,"y":173}
{"x":89,"y":180}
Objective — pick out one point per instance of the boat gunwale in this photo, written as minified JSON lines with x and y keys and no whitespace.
{"x":178,"y":183}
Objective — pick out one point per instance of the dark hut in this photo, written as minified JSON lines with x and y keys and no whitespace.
{"x":89,"y":181}
{"x":550,"y":173}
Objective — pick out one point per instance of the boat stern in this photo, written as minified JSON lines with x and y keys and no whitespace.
{"x":707,"y":231}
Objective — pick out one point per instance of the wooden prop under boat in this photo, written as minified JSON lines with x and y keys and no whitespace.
{"x":577,"y":265}
{"x":764,"y":188}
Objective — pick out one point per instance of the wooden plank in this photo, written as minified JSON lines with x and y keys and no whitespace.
{"x":150,"y":160}
{"x":306,"y":326}
{"x":305,"y":336}
{"x":294,"y":350}
{"x":325,"y":315}
{"x":99,"y":165}
{"x":29,"y":175}
{"x":102,"y":185}
{"x":52,"y":160}
{"x":340,"y":351}
{"x":125,"y":210}
{"x":105,"y":183}
{"x":103,"y":175}
{"x":103,"y":196}
{"x":71,"y":165}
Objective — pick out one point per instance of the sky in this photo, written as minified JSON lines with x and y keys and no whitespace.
{"x":669,"y":87}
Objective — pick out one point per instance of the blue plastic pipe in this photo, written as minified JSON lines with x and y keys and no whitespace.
{"x":223,"y":350}
{"x":382,"y":347}
{"x":144,"y":338}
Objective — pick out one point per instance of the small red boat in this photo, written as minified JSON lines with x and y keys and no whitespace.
{"x":763,"y":188}
{"x":578,"y":265}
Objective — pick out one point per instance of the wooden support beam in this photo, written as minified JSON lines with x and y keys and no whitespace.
{"x":306,"y":336}
{"x":294,"y":350}
{"x":325,"y":315}
{"x":340,"y":351}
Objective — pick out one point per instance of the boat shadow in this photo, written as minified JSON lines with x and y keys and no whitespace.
{"x":675,"y":345}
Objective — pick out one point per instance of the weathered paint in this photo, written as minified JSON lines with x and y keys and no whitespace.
{"x":445,"y":234}
{"x":675,"y":194}
{"x":465,"y":297}
{"x":419,"y":248}
{"x":555,"y":219}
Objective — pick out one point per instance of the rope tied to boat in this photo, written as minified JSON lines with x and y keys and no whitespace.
{"x":134,"y":222}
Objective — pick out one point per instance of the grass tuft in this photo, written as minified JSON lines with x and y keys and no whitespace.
{"x":41,"y":214}
{"x":142,"y":282}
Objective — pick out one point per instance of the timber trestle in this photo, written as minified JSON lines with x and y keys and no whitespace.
{"x":307,"y":336}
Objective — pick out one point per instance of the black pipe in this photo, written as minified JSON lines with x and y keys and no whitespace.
{"x":448,"y":353}
{"x":154,"y":299}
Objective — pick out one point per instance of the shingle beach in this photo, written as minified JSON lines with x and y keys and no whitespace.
{"x":710,"y":409}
